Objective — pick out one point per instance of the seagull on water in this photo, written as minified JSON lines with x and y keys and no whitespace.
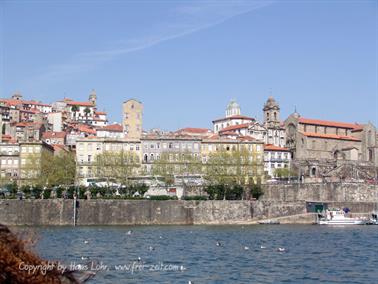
{"x":219,"y":244}
{"x":281,"y":249}
{"x":129,"y":232}
{"x":86,"y":242}
{"x":246,"y":248}
{"x":150,"y":248}
{"x":84,"y":258}
{"x":262,"y":247}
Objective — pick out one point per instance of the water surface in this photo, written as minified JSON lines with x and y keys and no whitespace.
{"x":177,"y":254}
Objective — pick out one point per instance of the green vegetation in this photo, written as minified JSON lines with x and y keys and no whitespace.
{"x":284,"y":173}
{"x":117,"y":166}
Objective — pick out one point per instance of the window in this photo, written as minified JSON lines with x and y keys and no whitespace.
{"x":137,"y":147}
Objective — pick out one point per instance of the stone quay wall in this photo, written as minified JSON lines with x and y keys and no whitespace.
{"x":141,"y":212}
{"x":324,"y":192}
{"x":279,"y":200}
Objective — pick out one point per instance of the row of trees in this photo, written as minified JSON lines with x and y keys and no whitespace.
{"x":224,"y":170}
{"x":229,"y":174}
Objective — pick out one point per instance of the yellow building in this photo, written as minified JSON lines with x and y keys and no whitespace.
{"x":132,"y":118}
{"x":87,"y":150}
{"x":31,"y":154}
{"x":244,"y":158}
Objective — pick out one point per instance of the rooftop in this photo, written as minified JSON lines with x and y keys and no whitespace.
{"x":328,"y":123}
{"x":234,"y":117}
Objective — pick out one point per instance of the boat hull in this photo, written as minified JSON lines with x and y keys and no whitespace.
{"x":342,"y":222}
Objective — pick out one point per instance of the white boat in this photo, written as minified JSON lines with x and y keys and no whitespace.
{"x":373,"y":219}
{"x":338,"y":217}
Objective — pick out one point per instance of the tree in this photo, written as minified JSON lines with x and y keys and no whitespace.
{"x":284,"y":173}
{"x":116,"y":166}
{"x":171,"y":163}
{"x":47,"y":169}
{"x":237,"y":166}
{"x":75,"y":109}
{"x":87,"y":111}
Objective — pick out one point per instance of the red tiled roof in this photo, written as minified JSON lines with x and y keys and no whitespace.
{"x":112,"y":128}
{"x":229,"y":133}
{"x":270,"y":147}
{"x":358,"y":128}
{"x":35,"y":111}
{"x":331,"y":136}
{"x":35,"y":103}
{"x":194,"y":130}
{"x":214,"y":136}
{"x":72,"y":103}
{"x":11,"y":102}
{"x":246,"y":138}
{"x":235,"y":127}
{"x":100,"y":112}
{"x":51,"y":134}
{"x":328,"y":123}
{"x":234,"y":117}
{"x":84,"y":128}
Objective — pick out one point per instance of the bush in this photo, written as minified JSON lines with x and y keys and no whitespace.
{"x":163,"y":197}
{"x":234,"y":193}
{"x":256,"y":191}
{"x":59,"y":192}
{"x":36,"y":191}
{"x":46,"y":193}
{"x":26,"y":190}
{"x":12,"y":187}
{"x":194,"y":197}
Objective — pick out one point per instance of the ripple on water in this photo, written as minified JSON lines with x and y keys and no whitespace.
{"x":313,"y":254}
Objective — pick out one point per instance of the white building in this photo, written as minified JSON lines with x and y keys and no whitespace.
{"x":111,"y":131}
{"x":275,"y":157}
{"x":232,"y":118}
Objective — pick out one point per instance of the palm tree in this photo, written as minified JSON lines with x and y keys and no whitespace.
{"x":75,"y":109}
{"x":87,"y":111}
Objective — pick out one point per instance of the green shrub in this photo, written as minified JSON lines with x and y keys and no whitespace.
{"x":195,"y":197}
{"x":46,"y":193}
{"x":163,"y":197}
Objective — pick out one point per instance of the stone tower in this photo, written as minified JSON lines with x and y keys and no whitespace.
{"x":271,"y":113}
{"x":132,"y":118}
{"x":17,"y":96}
{"x":93,"y":97}
{"x":232,"y":109}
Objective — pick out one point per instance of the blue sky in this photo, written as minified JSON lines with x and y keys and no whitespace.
{"x":185,"y":60}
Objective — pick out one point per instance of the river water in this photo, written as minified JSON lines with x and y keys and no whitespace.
{"x":247,"y":254}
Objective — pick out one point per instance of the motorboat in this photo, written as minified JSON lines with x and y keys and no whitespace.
{"x":373,"y":219}
{"x":338,"y":217}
